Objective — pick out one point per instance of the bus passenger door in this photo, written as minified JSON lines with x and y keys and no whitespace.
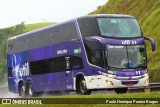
{"x":69,"y":79}
{"x":73,"y":64}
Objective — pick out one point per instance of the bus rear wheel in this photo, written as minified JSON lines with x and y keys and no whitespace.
{"x":30,"y":91}
{"x":22,"y":90}
{"x":82,"y":87}
{"x":121,"y":90}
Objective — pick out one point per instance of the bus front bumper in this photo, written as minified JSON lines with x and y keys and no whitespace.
{"x":105,"y":82}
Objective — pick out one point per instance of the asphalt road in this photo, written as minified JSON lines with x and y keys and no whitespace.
{"x":4,"y":93}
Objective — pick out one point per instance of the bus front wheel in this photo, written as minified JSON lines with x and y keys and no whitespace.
{"x":121,"y":90}
{"x":82,"y":87}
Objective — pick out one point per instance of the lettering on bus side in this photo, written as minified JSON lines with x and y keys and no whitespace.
{"x":62,"y":51}
{"x":128,"y":42}
{"x":24,"y":71}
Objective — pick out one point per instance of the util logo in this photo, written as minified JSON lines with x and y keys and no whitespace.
{"x":17,"y":70}
{"x":128,"y":42}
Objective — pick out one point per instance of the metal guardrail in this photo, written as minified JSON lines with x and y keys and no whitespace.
{"x":151,"y":87}
{"x":154,"y":85}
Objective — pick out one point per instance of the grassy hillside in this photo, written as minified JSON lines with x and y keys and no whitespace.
{"x":5,"y":33}
{"x":147,"y":12}
{"x":30,"y":27}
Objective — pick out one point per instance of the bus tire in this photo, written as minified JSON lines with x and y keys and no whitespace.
{"x":22,"y":90}
{"x":30,"y":91}
{"x":82,"y":87}
{"x":121,"y":90}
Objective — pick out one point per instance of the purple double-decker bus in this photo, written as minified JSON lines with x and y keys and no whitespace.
{"x":88,"y":53}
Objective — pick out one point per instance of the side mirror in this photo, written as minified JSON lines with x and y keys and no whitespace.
{"x":152,"y":43}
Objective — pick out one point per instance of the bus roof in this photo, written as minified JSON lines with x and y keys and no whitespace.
{"x":40,"y":29}
{"x":107,"y":15}
{"x":82,"y":17}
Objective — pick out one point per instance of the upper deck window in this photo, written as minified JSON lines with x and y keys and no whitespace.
{"x":119,"y":27}
{"x":88,"y":27}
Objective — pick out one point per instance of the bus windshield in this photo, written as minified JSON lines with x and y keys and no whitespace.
{"x":126,"y":57}
{"x":119,"y":27}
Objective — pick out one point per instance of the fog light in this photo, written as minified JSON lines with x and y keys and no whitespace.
{"x":109,"y":82}
{"x":146,"y":81}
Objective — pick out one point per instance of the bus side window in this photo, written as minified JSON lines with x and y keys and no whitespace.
{"x":39,"y":67}
{"x":10,"y":46}
{"x":94,"y":52}
{"x":58,"y":64}
{"x":88,"y":27}
{"x":10,"y":71}
{"x":76,"y":63}
{"x":69,"y":31}
{"x":96,"y":57}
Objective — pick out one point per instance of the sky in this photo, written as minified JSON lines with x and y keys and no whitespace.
{"x":13,"y":12}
